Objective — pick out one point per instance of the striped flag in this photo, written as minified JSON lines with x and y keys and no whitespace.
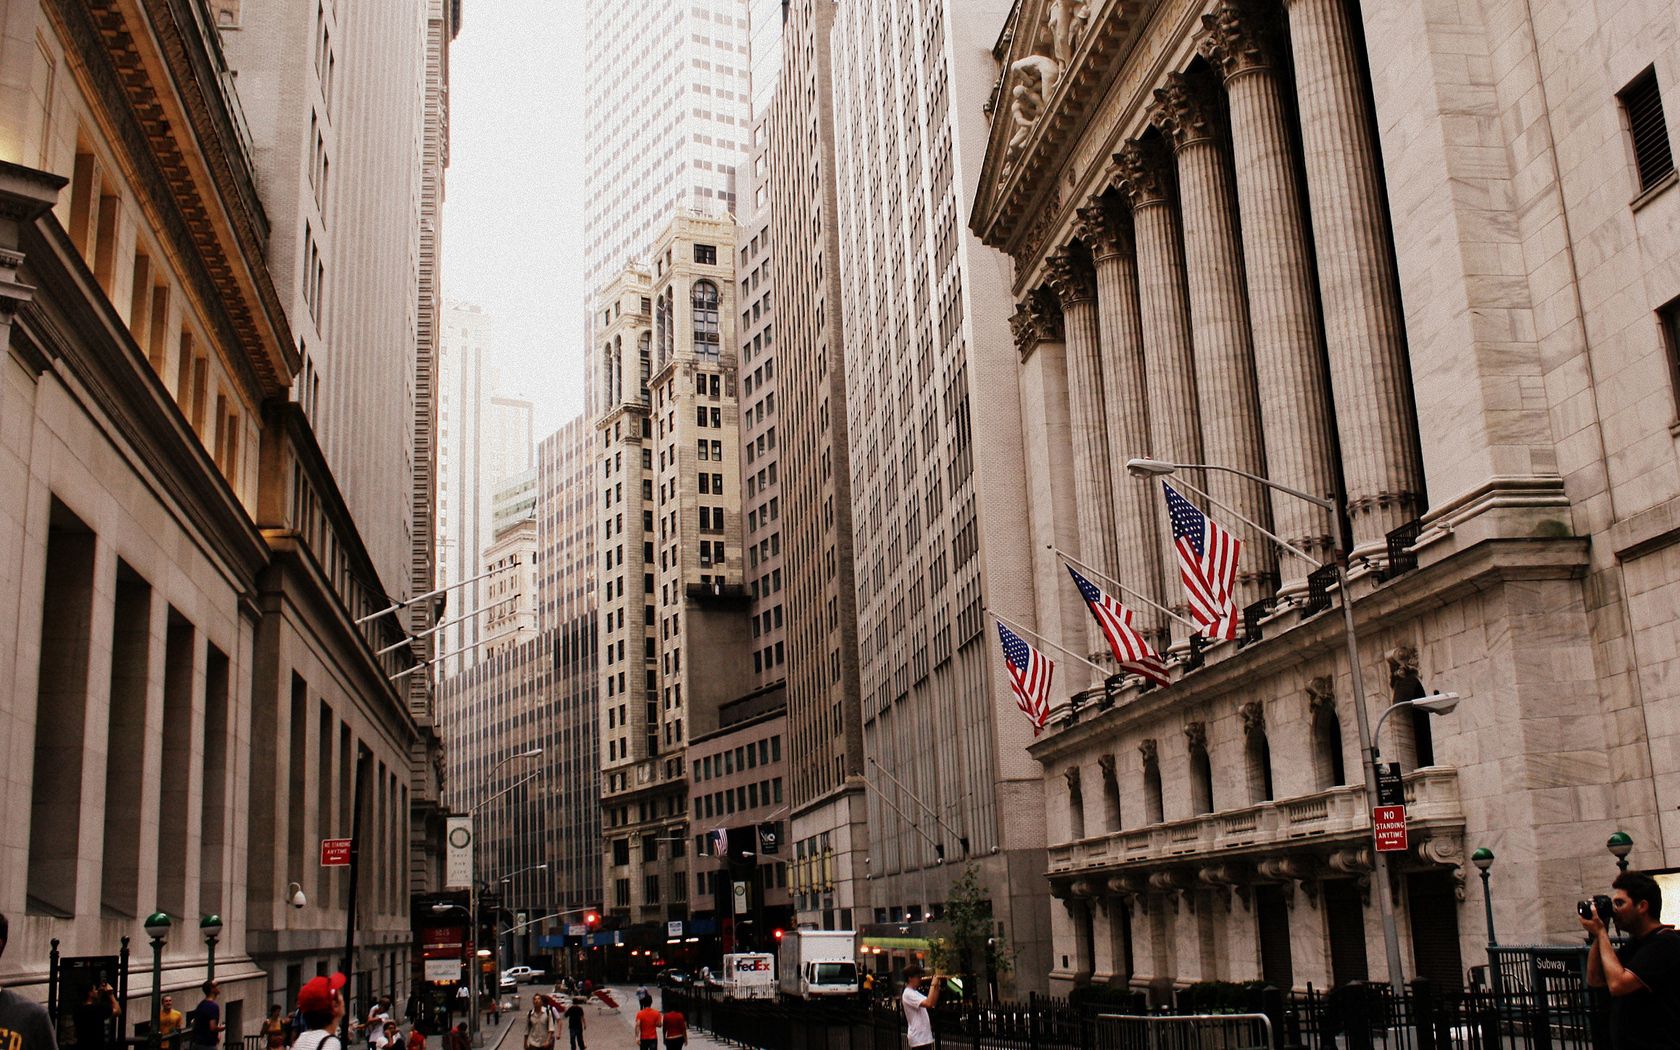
{"x":720,"y":842}
{"x":1029,"y":675}
{"x":1207,"y":562}
{"x":1133,"y":653}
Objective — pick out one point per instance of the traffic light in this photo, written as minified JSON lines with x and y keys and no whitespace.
{"x":777,"y":934}
{"x":591,"y":919}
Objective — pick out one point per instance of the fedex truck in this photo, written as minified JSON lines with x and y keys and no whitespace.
{"x":818,"y":963}
{"x":749,"y":975}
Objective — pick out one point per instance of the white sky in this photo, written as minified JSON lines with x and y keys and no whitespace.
{"x":512,"y":214}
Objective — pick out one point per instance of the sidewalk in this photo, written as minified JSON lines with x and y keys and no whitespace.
{"x":616,"y":1031}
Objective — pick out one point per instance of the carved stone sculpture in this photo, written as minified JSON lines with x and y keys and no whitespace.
{"x":1107,"y":765}
{"x":1195,"y":734}
{"x":1321,"y":694}
{"x":1066,"y":20}
{"x":1253,"y":717}
{"x":1150,"y":751}
{"x":1140,"y":171}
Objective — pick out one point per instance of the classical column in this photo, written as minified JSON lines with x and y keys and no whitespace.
{"x":1188,"y":113}
{"x":1283,"y":316}
{"x":1175,"y":430}
{"x":1363,"y":323}
{"x":1126,"y":410}
{"x":1076,"y":288}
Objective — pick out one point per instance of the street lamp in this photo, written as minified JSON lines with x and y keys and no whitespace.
{"x":1434,"y":704}
{"x":1148,"y":468}
{"x":211,"y":927}
{"x":472,"y":889}
{"x":157,"y":928}
{"x":1620,"y":844}
{"x":1483,"y":860}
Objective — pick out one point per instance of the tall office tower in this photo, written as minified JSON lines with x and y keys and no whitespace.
{"x":483,"y":440}
{"x":669,"y":108}
{"x":825,"y":737}
{"x":760,"y":455}
{"x":765,"y":19}
{"x":510,"y":613}
{"x":676,"y":475}
{"x":426,"y":817}
{"x":338,"y":111}
{"x":940,"y":519}
{"x":567,"y":492}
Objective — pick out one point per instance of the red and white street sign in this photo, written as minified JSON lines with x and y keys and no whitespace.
{"x":335,"y":853}
{"x":1390,"y":825}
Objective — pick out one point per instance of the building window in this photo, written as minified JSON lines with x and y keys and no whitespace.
{"x":705,"y":254}
{"x":1651,"y":153}
{"x":1669,"y":318}
{"x":704,"y":301}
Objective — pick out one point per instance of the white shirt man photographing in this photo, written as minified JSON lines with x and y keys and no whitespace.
{"x":919,"y":1028}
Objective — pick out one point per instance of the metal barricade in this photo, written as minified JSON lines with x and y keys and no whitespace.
{"x":1182,"y":1032}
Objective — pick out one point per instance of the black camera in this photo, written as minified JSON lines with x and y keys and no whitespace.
{"x":1599,"y":903}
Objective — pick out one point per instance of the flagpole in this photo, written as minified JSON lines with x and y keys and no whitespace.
{"x":1261,"y":529}
{"x":1105,"y":672}
{"x":1111,"y":581}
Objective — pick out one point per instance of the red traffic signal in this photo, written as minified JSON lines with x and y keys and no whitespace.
{"x":777,"y":934}
{"x":591,"y":919}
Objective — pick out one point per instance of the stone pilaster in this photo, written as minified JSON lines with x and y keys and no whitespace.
{"x":1144,"y":174}
{"x":1126,"y":402}
{"x":1188,"y":113}
{"x":1076,"y":288}
{"x":1363,"y":324}
{"x":1294,"y":392}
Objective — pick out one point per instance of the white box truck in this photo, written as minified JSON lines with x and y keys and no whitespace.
{"x":749,"y":975}
{"x":818,"y":963}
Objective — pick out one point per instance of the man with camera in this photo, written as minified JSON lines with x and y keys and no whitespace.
{"x":1643,"y":976}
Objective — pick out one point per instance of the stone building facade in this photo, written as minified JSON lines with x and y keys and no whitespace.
{"x":189,"y":702}
{"x":1431,"y":280}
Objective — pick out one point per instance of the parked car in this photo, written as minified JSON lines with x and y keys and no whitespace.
{"x":509,"y":982}
{"x":524,"y":974}
{"x":675,"y":979}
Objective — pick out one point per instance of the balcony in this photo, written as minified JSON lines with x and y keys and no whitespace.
{"x":1329,"y":819}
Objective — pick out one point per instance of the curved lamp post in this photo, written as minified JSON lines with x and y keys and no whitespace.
{"x":157,"y":928}
{"x":211,"y":927}
{"x":472,"y":889}
{"x":1620,"y":845}
{"x":1483,"y":860}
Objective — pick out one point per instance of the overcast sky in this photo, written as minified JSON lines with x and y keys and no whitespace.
{"x":512,"y":215}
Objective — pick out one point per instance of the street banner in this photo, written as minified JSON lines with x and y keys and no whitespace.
{"x":1391,"y":790}
{"x":673,"y":928}
{"x":335,"y":853}
{"x":458,"y":853}
{"x":769,"y":838}
{"x":1390,"y":825}
{"x":740,"y":894}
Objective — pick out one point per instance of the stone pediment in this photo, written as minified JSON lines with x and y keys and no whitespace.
{"x":1055,"y":59}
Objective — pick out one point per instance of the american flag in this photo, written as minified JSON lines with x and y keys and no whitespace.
{"x":1207,"y":562}
{"x":720,"y":842}
{"x":1133,"y":653}
{"x":1029,"y":675}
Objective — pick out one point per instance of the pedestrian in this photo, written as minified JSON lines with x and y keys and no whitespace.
{"x":642,"y":993}
{"x":1643,"y":975}
{"x":378,"y":1014}
{"x":320,"y":1009}
{"x":918,"y":1027}
{"x":576,"y":1022}
{"x":539,"y":1024}
{"x":274,"y":1029}
{"x":676,"y":1030}
{"x":24,"y":1025}
{"x":647,"y":1025}
{"x":495,"y":1009}
{"x":94,"y":1017}
{"x":416,"y":1038}
{"x":458,"y":1039}
{"x":393,"y":1037}
{"x":204,"y":1024}
{"x":170,"y":1023}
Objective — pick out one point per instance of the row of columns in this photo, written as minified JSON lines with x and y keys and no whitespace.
{"x":1194,"y":336}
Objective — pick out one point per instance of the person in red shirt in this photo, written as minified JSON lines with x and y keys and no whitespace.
{"x":676,"y":1030}
{"x":416,"y":1039}
{"x":647,"y":1026}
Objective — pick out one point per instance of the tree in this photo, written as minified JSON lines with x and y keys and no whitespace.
{"x":970,"y":937}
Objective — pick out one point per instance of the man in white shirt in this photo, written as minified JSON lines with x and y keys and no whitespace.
{"x":916,"y":1005}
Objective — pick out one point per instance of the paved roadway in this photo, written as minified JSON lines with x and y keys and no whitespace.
{"x":605,"y":1029}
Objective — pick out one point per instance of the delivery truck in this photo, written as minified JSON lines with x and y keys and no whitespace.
{"x":815,"y":964}
{"x":749,"y":975}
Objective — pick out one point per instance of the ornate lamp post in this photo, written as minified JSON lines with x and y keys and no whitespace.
{"x":157,"y":928}
{"x":211,"y":927}
{"x":1620,"y":845}
{"x":1483,"y":860}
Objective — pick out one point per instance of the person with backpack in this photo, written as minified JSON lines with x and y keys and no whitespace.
{"x":321,"y":1006}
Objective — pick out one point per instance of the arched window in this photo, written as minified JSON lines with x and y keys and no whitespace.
{"x":1201,"y":769}
{"x":618,"y":370}
{"x":1327,"y":748}
{"x":704,"y":300}
{"x":1111,"y":791}
{"x":1076,"y":805}
{"x":646,"y":364}
{"x":1258,"y":752}
{"x":662,"y":326}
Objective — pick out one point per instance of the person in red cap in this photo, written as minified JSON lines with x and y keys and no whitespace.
{"x":322,"y":1007}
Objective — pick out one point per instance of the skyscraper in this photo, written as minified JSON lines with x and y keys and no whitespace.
{"x":825,"y":741}
{"x":669,"y":110}
{"x":937,"y":499}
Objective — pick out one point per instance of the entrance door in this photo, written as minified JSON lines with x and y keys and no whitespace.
{"x":1344,"y":916}
{"x":1432,"y":905}
{"x":1271,"y":914}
